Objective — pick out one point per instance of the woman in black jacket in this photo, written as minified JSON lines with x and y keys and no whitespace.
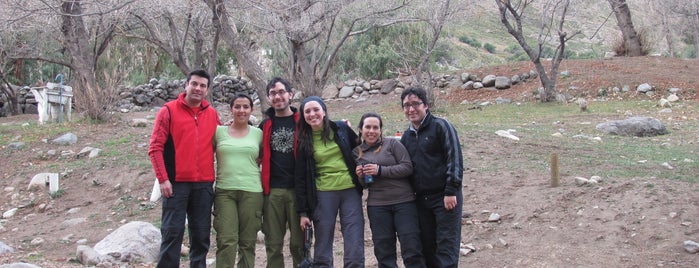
{"x":327,"y":184}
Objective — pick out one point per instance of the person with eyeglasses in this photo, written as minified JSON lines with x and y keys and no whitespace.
{"x":278,"y":143}
{"x":182,"y":154}
{"x":435,"y":150}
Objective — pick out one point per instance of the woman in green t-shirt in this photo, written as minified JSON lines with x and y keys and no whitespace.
{"x":327,"y":184}
{"x":238,"y":200}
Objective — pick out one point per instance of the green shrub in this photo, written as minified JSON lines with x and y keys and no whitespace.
{"x":489,"y":47}
{"x":470,"y":41}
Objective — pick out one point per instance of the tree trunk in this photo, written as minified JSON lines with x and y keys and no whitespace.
{"x":230,"y":35}
{"x":549,"y":84}
{"x":696,"y":34}
{"x":511,"y":17}
{"x":11,"y":95}
{"x":302,"y":73}
{"x":78,"y":47}
{"x":632,"y":43}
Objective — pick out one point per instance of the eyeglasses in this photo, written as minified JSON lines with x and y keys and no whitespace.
{"x":277,"y":93}
{"x":407,"y":106}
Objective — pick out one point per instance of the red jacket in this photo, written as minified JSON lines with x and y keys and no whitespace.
{"x":181,"y":147}
{"x":266,"y":127}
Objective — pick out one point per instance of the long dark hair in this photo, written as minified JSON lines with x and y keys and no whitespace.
{"x":305,"y":132}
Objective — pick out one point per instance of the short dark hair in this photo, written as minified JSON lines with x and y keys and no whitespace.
{"x":241,"y":96}
{"x":274,"y":81}
{"x":418,"y":91}
{"x":200,"y":73}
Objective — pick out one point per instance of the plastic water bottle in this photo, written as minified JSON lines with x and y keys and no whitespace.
{"x":368,"y":178}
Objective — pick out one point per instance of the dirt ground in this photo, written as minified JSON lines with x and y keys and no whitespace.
{"x":636,"y":222}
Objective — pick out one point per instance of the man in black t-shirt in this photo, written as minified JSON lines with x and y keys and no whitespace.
{"x":278,"y":175}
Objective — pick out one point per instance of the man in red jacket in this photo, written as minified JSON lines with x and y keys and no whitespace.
{"x":182,"y":154}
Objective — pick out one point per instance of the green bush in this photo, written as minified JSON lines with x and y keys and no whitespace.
{"x":470,"y":41}
{"x":375,"y":61}
{"x":489,"y":47}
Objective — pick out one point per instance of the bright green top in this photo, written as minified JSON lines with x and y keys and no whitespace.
{"x":236,"y":160}
{"x":331,"y":167}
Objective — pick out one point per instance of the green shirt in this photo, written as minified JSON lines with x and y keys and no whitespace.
{"x":236,"y":160}
{"x":332,"y":170}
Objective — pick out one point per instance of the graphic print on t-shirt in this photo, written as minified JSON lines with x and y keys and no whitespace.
{"x":282,"y":140}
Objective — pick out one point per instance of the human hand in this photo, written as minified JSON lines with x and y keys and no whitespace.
{"x":166,"y":189}
{"x":359,"y":170}
{"x":450,"y":202}
{"x":370,"y":169}
{"x":304,"y":221}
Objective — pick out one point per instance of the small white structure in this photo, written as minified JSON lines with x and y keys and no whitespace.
{"x":53,"y":101}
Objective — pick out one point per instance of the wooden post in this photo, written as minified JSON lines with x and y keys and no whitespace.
{"x":555,"y":175}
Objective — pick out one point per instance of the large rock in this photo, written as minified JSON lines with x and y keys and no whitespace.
{"x":489,"y":80}
{"x":346,"y":92}
{"x":4,"y":249}
{"x":66,"y":139}
{"x":502,"y":82}
{"x":388,"y":86}
{"x":134,"y":242}
{"x":329,"y":92}
{"x":643,"y":88}
{"x":634,"y":126}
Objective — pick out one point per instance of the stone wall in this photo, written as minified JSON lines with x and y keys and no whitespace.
{"x":158,"y":91}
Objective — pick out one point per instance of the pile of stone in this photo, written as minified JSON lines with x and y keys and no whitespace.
{"x":158,"y":92}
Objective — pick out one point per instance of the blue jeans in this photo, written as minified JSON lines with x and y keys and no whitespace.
{"x":440,"y":230}
{"x":349,"y":204}
{"x":191,"y":200}
{"x":389,"y":222}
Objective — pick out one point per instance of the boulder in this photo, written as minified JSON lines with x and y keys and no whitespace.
{"x":4,"y":249}
{"x":634,"y":126}
{"x":66,"y":139}
{"x":388,"y":86}
{"x":134,"y":242}
{"x":346,"y":92}
{"x":489,"y":80}
{"x":502,"y":82}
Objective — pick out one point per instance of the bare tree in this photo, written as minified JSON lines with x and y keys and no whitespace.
{"x":553,"y":19}
{"x":689,"y":11}
{"x":229,"y":33}
{"x":86,"y":28}
{"x":182,"y":29}
{"x":663,"y":14}
{"x":6,"y":88}
{"x":695,"y":15}
{"x":307,"y":35}
{"x":436,"y":23}
{"x":631,"y":41}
